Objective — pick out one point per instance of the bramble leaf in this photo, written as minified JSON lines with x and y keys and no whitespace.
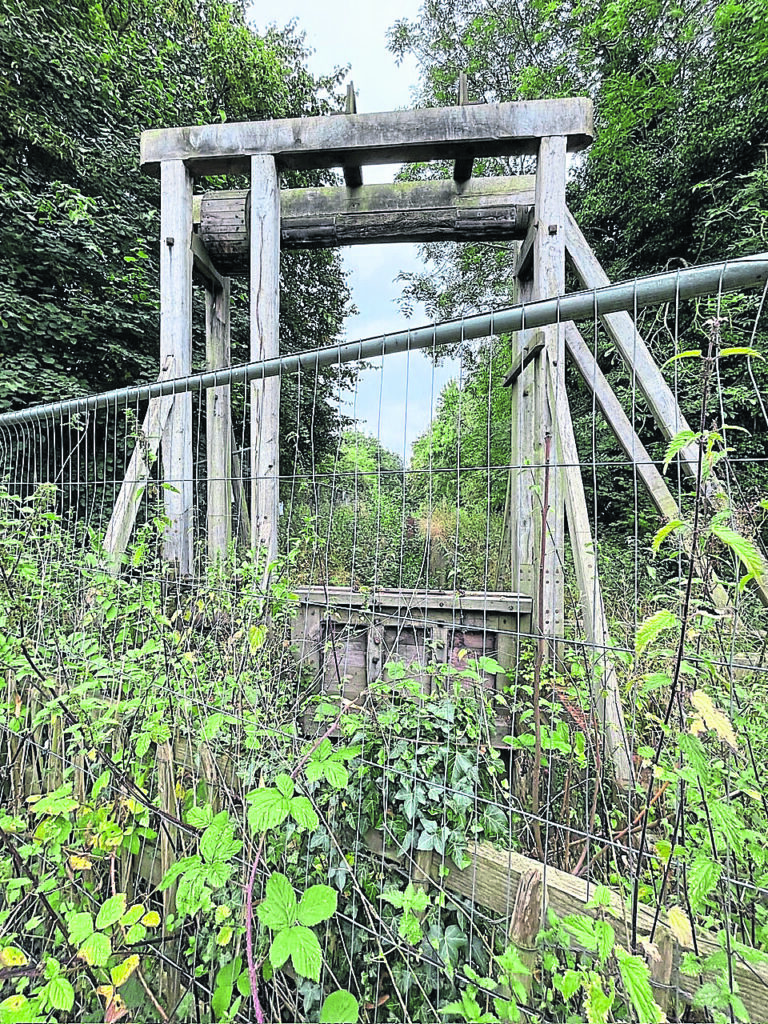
{"x":317,"y":904}
{"x":340,"y":1008}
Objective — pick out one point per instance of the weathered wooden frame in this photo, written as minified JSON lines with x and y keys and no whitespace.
{"x":246,"y":229}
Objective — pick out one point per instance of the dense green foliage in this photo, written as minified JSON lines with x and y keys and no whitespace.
{"x":677,"y":173}
{"x":79,"y":223}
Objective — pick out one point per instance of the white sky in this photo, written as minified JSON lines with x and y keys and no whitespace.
{"x":354,"y":33}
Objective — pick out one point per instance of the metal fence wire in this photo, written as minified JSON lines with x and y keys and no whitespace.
{"x":367,"y":767}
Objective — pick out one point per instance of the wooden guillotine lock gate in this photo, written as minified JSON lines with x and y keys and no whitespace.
{"x":213,"y":236}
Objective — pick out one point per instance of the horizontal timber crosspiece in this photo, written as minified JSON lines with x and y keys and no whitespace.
{"x":710,"y":278}
{"x":483,"y":209}
{"x":398,"y":136}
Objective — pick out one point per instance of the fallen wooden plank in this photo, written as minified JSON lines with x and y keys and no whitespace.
{"x":492,"y":881}
{"x":399,"y":136}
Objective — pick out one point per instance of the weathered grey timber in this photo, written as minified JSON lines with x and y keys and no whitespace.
{"x":218,"y":425}
{"x":176,"y":345}
{"x":548,"y":280}
{"x":353,"y":173}
{"x":399,"y":136}
{"x":265,"y":345}
{"x":603,"y":681}
{"x":126,"y":506}
{"x":634,"y":449}
{"x":462,"y":169}
{"x":484,"y":209}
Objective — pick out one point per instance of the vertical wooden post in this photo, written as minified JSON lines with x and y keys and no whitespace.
{"x":532,"y":416}
{"x":549,"y":280}
{"x":176,"y":345}
{"x":265,"y":394}
{"x":218,"y":424}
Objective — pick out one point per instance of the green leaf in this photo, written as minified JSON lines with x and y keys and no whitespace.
{"x":570,"y":983}
{"x":278,"y":909}
{"x":303,"y":948}
{"x":306,"y":955}
{"x":303,"y":813}
{"x":661,"y":535}
{"x":60,"y":994}
{"x":80,"y":927}
{"x":691,"y":353}
{"x":744,"y":549}
{"x":679,"y":441}
{"x":410,"y":928}
{"x":111,"y":911}
{"x":741,"y":350}
{"x":703,"y":876}
{"x":314,"y":771}
{"x":317,"y":904}
{"x":285,"y":785}
{"x":583,"y":931}
{"x":336,"y":774}
{"x":58,"y":802}
{"x":136,"y":933}
{"x":133,"y":914}
{"x":96,"y":949}
{"x":100,"y":783}
{"x":324,"y":750}
{"x":606,"y":939}
{"x":218,"y":842}
{"x":340,"y":1008}
{"x":651,"y":627}
{"x":636,"y":979}
{"x":269,"y":808}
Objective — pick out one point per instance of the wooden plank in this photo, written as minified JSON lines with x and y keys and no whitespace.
{"x":492,"y":881}
{"x":123,"y":518}
{"x":176,"y":344}
{"x":448,"y":602}
{"x":239,"y":497}
{"x":401,"y":136}
{"x":549,"y":280}
{"x":462,"y":169}
{"x":485,"y":209}
{"x":523,"y":358}
{"x":633,"y":447}
{"x":202,"y":266}
{"x":218,"y":425}
{"x":524,"y":262}
{"x":632,"y":348}
{"x":603,"y":681}
{"x":265,"y":344}
{"x":636,"y":355}
{"x":353,"y":173}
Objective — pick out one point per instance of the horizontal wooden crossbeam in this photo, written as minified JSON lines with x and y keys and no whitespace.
{"x":483,"y":209}
{"x":399,"y":136}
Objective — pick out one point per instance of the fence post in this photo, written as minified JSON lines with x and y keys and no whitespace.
{"x":265,"y":394}
{"x":176,"y":347}
{"x":218,"y":424}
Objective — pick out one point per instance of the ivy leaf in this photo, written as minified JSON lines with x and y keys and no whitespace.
{"x":278,"y":909}
{"x":303,"y":813}
{"x":649,"y":629}
{"x":111,"y":911}
{"x":317,"y":904}
{"x":96,"y":949}
{"x":60,"y":994}
{"x":218,"y":842}
{"x":340,"y":1008}
{"x":269,"y":808}
{"x":636,"y":978}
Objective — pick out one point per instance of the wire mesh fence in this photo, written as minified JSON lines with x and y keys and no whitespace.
{"x":355,"y":783}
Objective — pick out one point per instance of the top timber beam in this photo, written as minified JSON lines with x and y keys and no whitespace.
{"x":400,"y":136}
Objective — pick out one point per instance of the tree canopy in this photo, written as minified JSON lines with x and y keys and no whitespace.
{"x":79,"y":223}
